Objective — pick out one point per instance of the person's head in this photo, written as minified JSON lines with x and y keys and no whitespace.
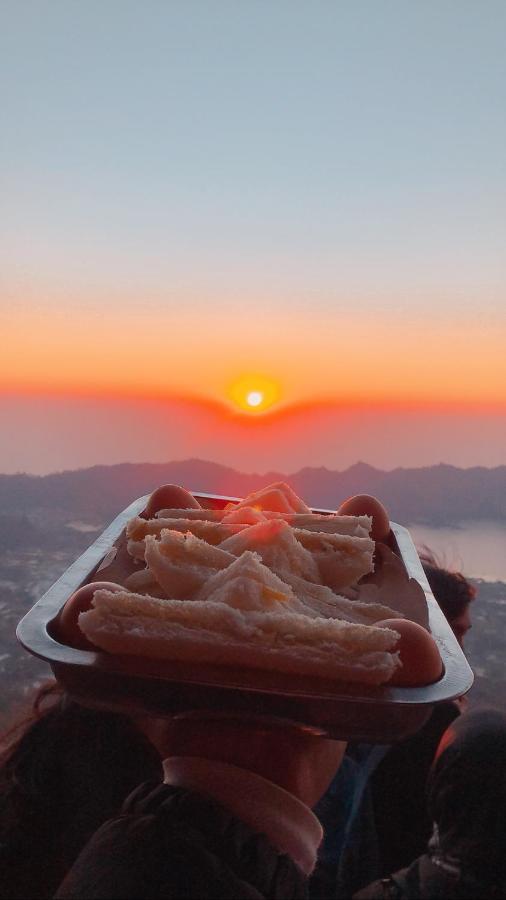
{"x":453,"y":593}
{"x":64,"y":772}
{"x":467,"y":794}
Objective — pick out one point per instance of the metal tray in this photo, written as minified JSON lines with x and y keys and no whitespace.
{"x":162,"y":688}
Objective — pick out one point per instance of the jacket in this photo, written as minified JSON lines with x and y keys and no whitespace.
{"x":173,"y":843}
{"x":425,"y":880}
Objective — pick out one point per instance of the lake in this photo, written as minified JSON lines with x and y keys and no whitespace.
{"x":477,"y":549}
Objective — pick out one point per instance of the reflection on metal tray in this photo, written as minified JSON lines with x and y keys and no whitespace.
{"x":161,"y":687}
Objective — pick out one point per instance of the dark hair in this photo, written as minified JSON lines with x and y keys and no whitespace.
{"x":452,"y":590}
{"x":65,"y":771}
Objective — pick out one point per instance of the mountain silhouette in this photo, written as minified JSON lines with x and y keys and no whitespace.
{"x":437,"y":495}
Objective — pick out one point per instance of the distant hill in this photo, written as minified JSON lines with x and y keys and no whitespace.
{"x":435,"y":495}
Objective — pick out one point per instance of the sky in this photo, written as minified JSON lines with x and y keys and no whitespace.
{"x":303,"y":201}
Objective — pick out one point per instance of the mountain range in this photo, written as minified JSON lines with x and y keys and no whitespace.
{"x":434,"y":495}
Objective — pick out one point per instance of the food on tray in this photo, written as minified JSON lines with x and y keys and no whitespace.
{"x":256,"y":584}
{"x":270,"y":498}
{"x":277,"y":497}
{"x":80,"y":601}
{"x":267,"y":633}
{"x":170,"y":495}
{"x":420,"y":658}
{"x":204,"y":515}
{"x":365,"y":505}
{"x":212,"y":532}
{"x":180,"y":563}
{"x":358,"y":526}
{"x":246,"y":515}
{"x":341,"y":558}
{"x":275,"y":541}
{"x":329,"y":605}
{"x":249,"y":584}
{"x":331,"y":559}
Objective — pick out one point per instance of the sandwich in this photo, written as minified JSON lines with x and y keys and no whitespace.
{"x":212,"y":532}
{"x":257,"y":585}
{"x":248,"y":618}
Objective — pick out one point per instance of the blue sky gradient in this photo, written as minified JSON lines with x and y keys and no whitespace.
{"x":193,"y":190}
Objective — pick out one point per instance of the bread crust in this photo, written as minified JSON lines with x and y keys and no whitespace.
{"x":127,"y":623}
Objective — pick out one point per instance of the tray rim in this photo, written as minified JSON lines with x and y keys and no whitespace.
{"x":32,"y":631}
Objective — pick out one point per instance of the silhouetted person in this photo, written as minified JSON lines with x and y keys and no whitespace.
{"x":466,"y":797}
{"x":398,"y":781}
{"x":65,"y":771}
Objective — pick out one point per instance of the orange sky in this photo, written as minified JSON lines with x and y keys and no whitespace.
{"x":90,"y":381}
{"x":48,"y":432}
{"x":350,"y":357}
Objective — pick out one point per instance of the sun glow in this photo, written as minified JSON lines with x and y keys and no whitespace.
{"x":254,"y":393}
{"x":254,"y":398}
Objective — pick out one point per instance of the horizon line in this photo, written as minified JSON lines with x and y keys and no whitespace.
{"x":317,"y":403}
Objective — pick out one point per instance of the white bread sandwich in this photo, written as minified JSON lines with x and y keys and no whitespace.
{"x":271,"y":636}
{"x":276,"y":544}
{"x":336,"y":560}
{"x":179,"y":563}
{"x":248,"y":584}
{"x":247,"y":574}
{"x":245,"y":515}
{"x":205,"y":515}
{"x":341,"y":558}
{"x":234,"y":515}
{"x":212,"y":532}
{"x":357,"y":526}
{"x":327,"y":604}
{"x":182,"y":566}
{"x":278,"y":497}
{"x":268,"y":498}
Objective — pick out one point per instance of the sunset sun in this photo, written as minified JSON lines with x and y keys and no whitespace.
{"x":254,"y":393}
{"x":254,"y":398}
